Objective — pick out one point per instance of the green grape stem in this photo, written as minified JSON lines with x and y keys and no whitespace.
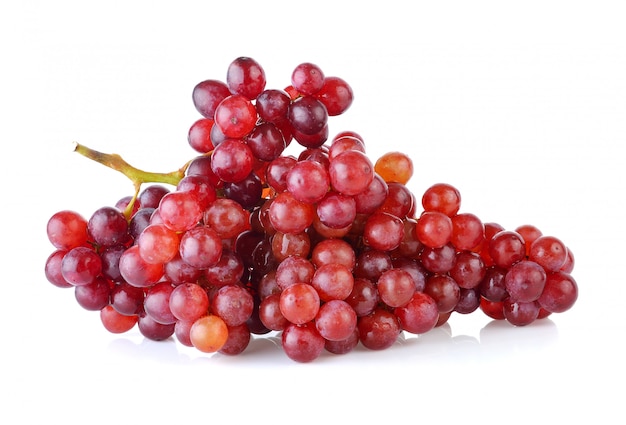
{"x":135,"y":175}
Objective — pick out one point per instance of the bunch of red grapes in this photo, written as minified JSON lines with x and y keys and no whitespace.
{"x":327,"y":248}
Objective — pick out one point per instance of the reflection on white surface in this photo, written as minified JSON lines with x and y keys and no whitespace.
{"x":496,"y":339}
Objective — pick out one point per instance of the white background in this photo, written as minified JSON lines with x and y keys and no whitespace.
{"x":520,"y":105}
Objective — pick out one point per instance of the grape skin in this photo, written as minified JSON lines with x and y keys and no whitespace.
{"x":207,"y":95}
{"x":235,"y":116}
{"x":52,"y":269}
{"x":308,"y":115}
{"x":233,"y":304}
{"x":351,"y":172}
{"x":419,"y":315}
{"x":66,"y":230}
{"x":208,"y":333}
{"x":336,"y":95}
{"x":115,"y":322}
{"x":299,"y":303}
{"x":302,"y":343}
{"x":379,"y":330}
{"x":245,"y":76}
{"x":336,"y":320}
{"x":107,"y":226}
{"x":525,"y":281}
{"x":289,"y":215}
{"x":560,"y":293}
{"x":80,"y":266}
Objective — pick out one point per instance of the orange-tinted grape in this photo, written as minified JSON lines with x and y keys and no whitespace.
{"x":208,"y":333}
{"x":394,"y":167}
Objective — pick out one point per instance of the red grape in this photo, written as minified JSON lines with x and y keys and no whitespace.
{"x":95,"y":295}
{"x":115,"y":322}
{"x":396,"y":287}
{"x":289,"y":215}
{"x":156,"y":303}
{"x":201,"y":247}
{"x":336,"y":95}
{"x":333,"y":281}
{"x":560,"y":292}
{"x":379,"y":330}
{"x":199,"y":135}
{"x":180,"y":211}
{"x":307,"y":78}
{"x":207,"y":95}
{"x":81,"y":266}
{"x":235,"y":116}
{"x":307,"y":115}
{"x":302,"y":343}
{"x":53,"y":269}
{"x":232,"y":160}
{"x":138,"y":272}
{"x":245,"y":76}
{"x":233,"y":304}
{"x":299,"y":303}
{"x":525,"y":281}
{"x":549,"y":252}
{"x":189,"y":302}
{"x":434,"y":229}
{"x":443,"y":198}
{"x":351,"y":172}
{"x":507,"y":248}
{"x":308,"y":181}
{"x":419,"y":315}
{"x":336,"y":320}
{"x":272,"y":105}
{"x":67,"y":229}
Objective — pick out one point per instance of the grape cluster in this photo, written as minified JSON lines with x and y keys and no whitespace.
{"x":327,"y":248}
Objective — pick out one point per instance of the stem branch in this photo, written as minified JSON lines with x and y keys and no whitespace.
{"x":135,"y":175}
